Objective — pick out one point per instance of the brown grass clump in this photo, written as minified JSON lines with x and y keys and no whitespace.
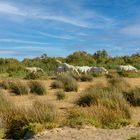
{"x":66,"y":82}
{"x":17,"y":86}
{"x":18,"y":120}
{"x":38,"y":87}
{"x":86,"y":78}
{"x":133,"y":96}
{"x":60,"y":95}
{"x":101,"y":106}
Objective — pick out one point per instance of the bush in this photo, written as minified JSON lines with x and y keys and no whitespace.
{"x":102,"y":107}
{"x":66,"y":82}
{"x":6,"y":83}
{"x":34,"y":76}
{"x":131,"y":74}
{"x":86,"y":100}
{"x":57,"y":84}
{"x":60,"y":95}
{"x":34,"y":118}
{"x":19,"y":87}
{"x":119,"y":83}
{"x":133,"y":96}
{"x":86,"y":78}
{"x":135,"y":137}
{"x":37,"y":88}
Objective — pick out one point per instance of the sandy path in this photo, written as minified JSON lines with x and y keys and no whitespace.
{"x":88,"y":134}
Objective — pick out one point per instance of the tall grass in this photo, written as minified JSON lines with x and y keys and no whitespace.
{"x":66,"y":82}
{"x":133,"y":96}
{"x":38,"y":87}
{"x":17,"y":86}
{"x":101,"y":106}
{"x":17,"y":120}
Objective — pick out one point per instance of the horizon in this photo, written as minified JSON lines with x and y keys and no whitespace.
{"x":61,"y":27}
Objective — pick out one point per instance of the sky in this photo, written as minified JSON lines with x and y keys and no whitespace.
{"x":30,"y":28}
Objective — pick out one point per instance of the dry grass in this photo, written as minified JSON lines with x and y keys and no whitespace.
{"x":110,"y":111}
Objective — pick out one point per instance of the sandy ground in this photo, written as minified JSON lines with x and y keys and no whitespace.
{"x":88,"y":133}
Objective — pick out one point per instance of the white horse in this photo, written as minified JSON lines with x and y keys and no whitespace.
{"x":99,"y":70}
{"x":83,"y":69}
{"x":127,"y":68}
{"x":34,"y":69}
{"x":67,"y":67}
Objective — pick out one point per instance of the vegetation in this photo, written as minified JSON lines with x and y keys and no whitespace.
{"x":105,"y":106}
{"x":14,"y":68}
{"x":66,"y":82}
{"x":34,"y":118}
{"x":37,"y":87}
{"x":135,"y":137}
{"x":133,"y":96}
{"x":86,"y":78}
{"x":16,"y":86}
{"x":60,"y":95}
{"x":102,"y":107}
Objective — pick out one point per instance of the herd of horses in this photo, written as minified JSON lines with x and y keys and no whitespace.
{"x":64,"y":67}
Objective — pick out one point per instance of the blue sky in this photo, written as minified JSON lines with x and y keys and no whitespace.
{"x":29,"y":28}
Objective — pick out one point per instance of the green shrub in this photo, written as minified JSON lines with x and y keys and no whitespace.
{"x":131,"y":74}
{"x":133,"y":96}
{"x":105,"y":106}
{"x":37,"y":87}
{"x":86,"y":78}
{"x":99,"y":116}
{"x":19,"y":87}
{"x":60,"y":95}
{"x":34,"y":76}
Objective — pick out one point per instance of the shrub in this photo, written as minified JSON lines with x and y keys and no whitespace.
{"x":6,"y":84}
{"x":19,"y":87}
{"x":119,"y":83}
{"x":105,"y":107}
{"x":86,"y":100}
{"x":34,"y":118}
{"x":57,"y":84}
{"x":75,"y":76}
{"x":37,"y":88}
{"x":69,"y":83}
{"x":34,"y":76}
{"x":99,"y":116}
{"x":135,"y":137}
{"x":60,"y":95}
{"x":131,"y":74}
{"x":86,"y":78}
{"x":133,"y":96}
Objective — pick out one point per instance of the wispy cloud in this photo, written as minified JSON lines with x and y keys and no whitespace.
{"x":79,"y":18}
{"x":64,"y":37}
{"x":22,"y":41}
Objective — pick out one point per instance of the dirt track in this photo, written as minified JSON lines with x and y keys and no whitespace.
{"x":88,"y":134}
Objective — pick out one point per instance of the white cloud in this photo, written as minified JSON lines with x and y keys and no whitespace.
{"x":10,"y":9}
{"x":22,"y":41}
{"x":133,"y":30}
{"x":81,"y":17}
